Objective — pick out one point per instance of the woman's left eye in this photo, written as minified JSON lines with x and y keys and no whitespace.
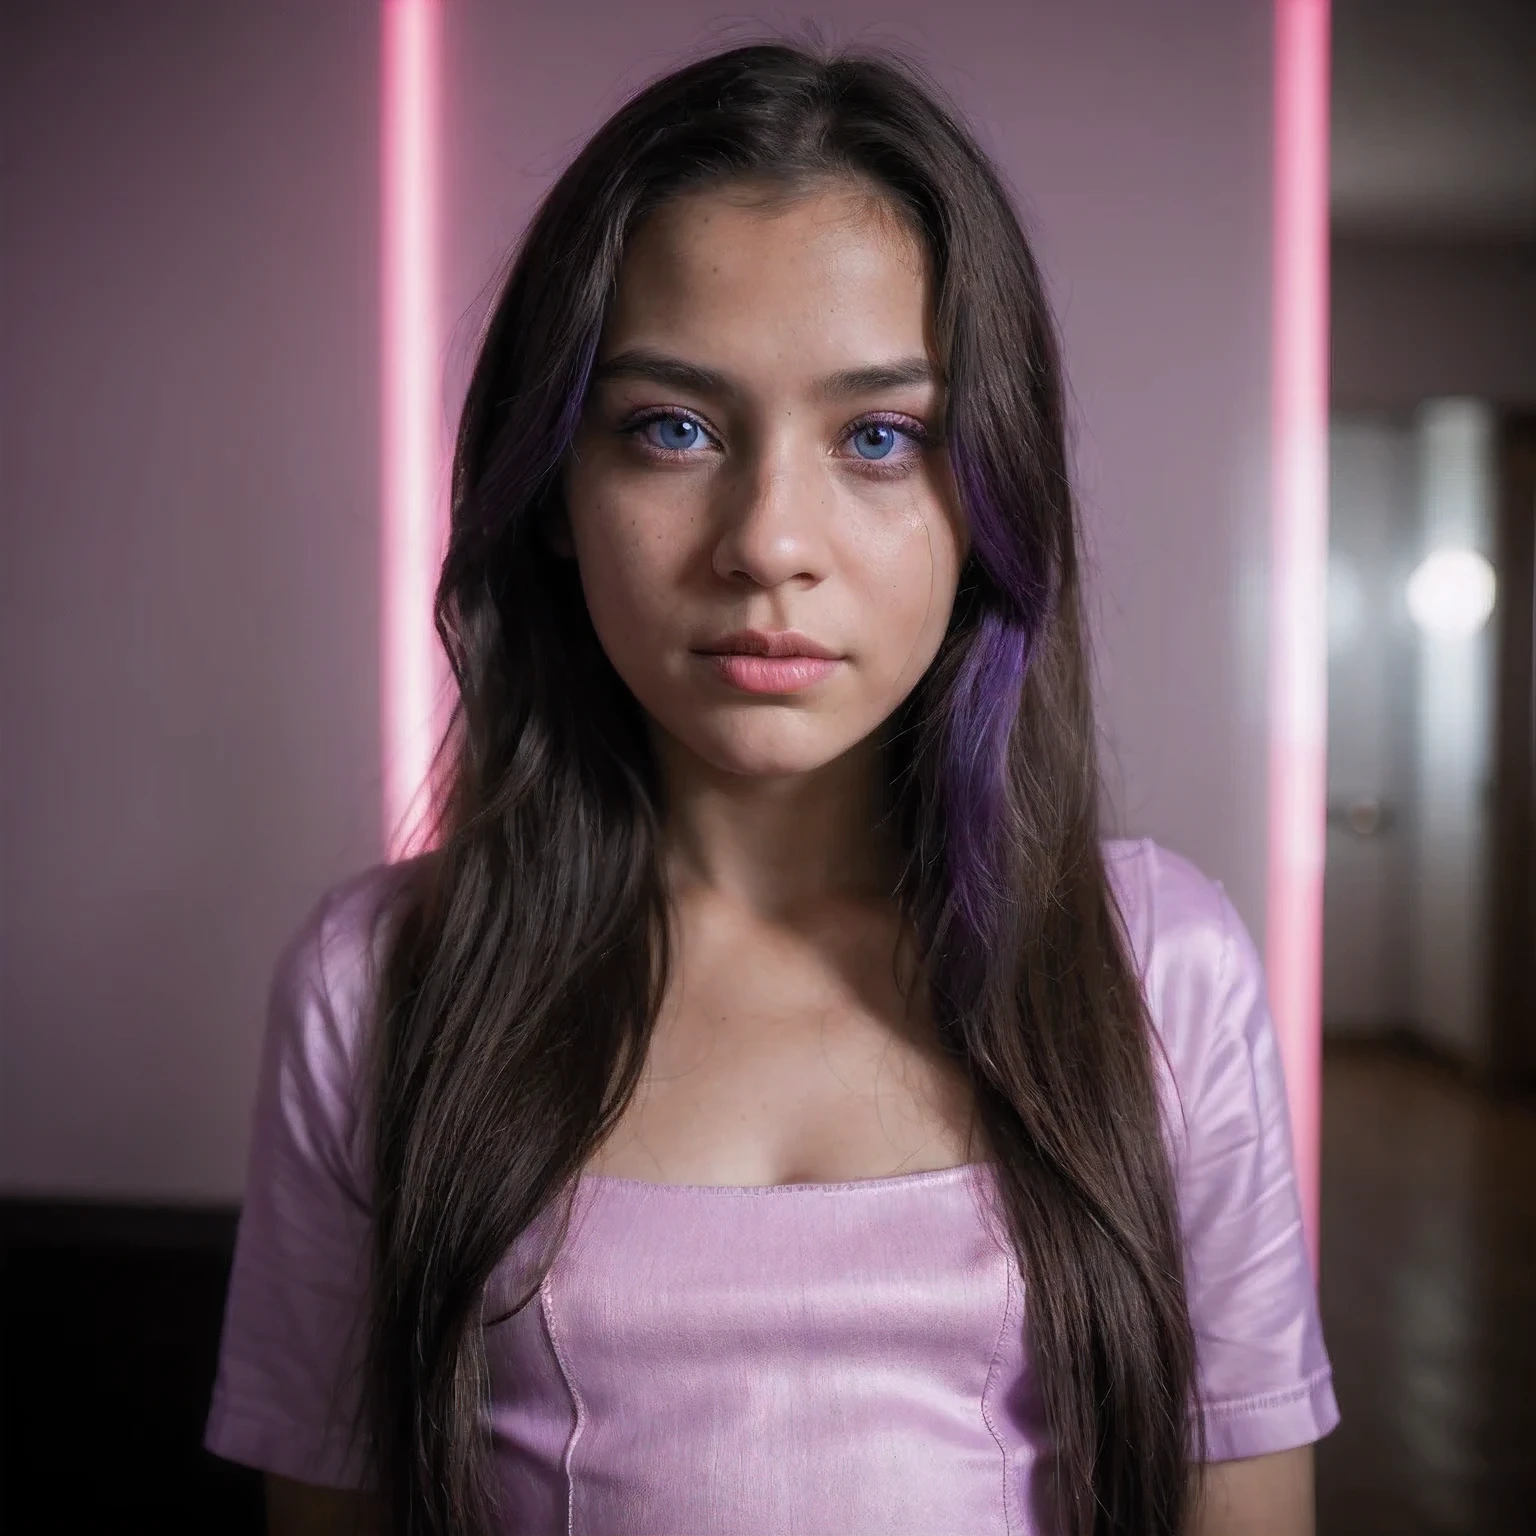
{"x":874,"y":440}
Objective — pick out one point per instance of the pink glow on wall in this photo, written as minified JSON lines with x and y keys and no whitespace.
{"x":1298,"y":630}
{"x":412,"y":480}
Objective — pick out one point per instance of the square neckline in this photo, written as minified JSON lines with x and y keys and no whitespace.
{"x":952,"y":1173}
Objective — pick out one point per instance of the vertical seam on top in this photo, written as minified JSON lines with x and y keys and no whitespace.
{"x":997,"y":1352}
{"x":546,"y":1307}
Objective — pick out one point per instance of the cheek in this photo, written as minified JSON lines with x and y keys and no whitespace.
{"x":911,"y":571}
{"x":616,"y":593}
{"x":627,"y":565}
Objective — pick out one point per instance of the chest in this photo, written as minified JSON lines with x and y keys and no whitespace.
{"x":776,"y":1062}
{"x":822,"y":1361}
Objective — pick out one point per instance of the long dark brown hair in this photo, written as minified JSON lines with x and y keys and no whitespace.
{"x":520,"y":987}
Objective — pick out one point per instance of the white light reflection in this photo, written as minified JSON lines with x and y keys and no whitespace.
{"x":1452,"y":592}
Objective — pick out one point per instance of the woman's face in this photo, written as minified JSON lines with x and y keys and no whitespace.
{"x":759,"y":466}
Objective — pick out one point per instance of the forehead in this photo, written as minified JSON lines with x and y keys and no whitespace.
{"x":833,"y":276}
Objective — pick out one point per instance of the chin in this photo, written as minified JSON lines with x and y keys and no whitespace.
{"x":766,"y":748}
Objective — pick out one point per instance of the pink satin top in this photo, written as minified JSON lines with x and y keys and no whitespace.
{"x":805,"y":1358}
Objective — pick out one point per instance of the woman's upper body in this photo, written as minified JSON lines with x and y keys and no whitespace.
{"x":768,"y":919}
{"x":837,"y":1353}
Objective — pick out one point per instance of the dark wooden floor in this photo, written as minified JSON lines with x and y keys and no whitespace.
{"x":1429,"y":1303}
{"x":109,"y":1328}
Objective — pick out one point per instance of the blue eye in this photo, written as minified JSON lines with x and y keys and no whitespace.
{"x":678,"y":433}
{"x":876,"y":435}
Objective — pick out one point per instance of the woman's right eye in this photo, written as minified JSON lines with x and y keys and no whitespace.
{"x":669,"y":432}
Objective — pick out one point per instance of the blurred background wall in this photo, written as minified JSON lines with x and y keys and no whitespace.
{"x":1433,"y":317}
{"x":1429,"y":975}
{"x":188,"y":319}
{"x":189,"y":567}
{"x":1425,"y":313}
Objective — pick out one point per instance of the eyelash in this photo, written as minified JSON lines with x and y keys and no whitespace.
{"x":879,"y":469}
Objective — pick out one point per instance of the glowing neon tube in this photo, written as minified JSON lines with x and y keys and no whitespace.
{"x":411,"y":483}
{"x":1299,"y":570}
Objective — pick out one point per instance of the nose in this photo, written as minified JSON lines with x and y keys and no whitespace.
{"x":774,"y":518}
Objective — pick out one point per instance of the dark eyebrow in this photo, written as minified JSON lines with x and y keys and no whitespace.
{"x":642,"y":363}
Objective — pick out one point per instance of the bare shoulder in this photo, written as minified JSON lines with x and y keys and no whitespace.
{"x":303,"y":1509}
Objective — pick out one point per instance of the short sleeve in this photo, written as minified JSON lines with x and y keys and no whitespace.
{"x":287,"y":1389}
{"x":1265,"y":1381}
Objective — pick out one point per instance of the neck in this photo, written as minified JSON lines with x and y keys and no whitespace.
{"x":775,"y":844}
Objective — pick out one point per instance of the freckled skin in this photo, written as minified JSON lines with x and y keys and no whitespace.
{"x":771,"y":519}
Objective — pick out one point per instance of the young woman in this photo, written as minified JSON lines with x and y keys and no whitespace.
{"x":771,"y":1108}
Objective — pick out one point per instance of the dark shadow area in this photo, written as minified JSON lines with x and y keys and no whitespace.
{"x":111,"y":1331}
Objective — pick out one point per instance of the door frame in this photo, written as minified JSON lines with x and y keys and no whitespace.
{"x":1510,"y":1063}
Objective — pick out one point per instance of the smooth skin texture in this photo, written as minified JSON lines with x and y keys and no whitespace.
{"x":762,"y":448}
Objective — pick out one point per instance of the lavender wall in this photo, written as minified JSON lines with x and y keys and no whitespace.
{"x":188,"y":557}
{"x":188,"y":616}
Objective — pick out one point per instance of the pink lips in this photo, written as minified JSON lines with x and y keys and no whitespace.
{"x":755,"y":661}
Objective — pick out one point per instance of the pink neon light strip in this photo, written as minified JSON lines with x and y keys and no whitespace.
{"x":1299,"y":550}
{"x":411,"y":436}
